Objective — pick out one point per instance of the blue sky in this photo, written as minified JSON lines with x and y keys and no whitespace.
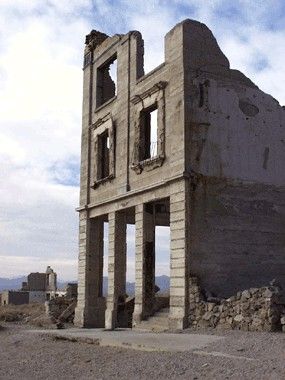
{"x":41,"y":47}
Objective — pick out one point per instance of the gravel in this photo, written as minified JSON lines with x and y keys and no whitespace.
{"x":241,"y":355}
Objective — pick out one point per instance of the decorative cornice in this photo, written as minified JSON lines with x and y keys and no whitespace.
{"x":156,"y":87}
{"x":101,"y":121}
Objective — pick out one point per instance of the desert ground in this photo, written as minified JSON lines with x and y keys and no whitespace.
{"x":239,"y":355}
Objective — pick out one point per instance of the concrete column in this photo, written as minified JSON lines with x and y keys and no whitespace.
{"x":145,"y":263}
{"x":90,"y":305}
{"x":149,"y":258}
{"x":179,"y":254}
{"x":116,"y":266}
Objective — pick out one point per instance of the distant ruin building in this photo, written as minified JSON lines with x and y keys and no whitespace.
{"x":46,"y":282}
{"x":37,"y":281}
{"x":38,"y":288}
{"x":14,"y":297}
{"x":193,"y":145}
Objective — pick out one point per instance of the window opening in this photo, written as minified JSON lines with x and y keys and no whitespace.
{"x":130,"y":267}
{"x":103,"y":155}
{"x":104,"y":290}
{"x":107,"y":81}
{"x":162,"y":259}
{"x":149,"y":135}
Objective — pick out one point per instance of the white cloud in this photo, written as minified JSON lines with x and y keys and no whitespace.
{"x":40,"y":133}
{"x":66,"y":268}
{"x":41,"y":47}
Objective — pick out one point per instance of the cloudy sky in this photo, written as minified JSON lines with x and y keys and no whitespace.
{"x":41,"y":45}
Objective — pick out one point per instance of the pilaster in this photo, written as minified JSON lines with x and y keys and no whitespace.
{"x":179,"y":254}
{"x":90,"y":304}
{"x":116,"y":267}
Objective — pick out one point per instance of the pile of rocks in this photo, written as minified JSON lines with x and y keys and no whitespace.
{"x":256,"y":309}
{"x":56,"y":306}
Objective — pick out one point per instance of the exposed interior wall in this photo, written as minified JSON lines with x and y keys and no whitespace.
{"x":238,"y":132}
{"x":233,"y":129}
{"x":235,"y":153}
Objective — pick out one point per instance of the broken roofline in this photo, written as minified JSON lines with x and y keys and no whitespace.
{"x":95,"y":39}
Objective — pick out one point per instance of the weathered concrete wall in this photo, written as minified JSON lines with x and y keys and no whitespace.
{"x":234,"y":130}
{"x":37,"y":281}
{"x":237,"y":235}
{"x":235,"y":154}
{"x":37,"y":296}
{"x":238,"y":132}
{"x":123,"y":112}
{"x":11,"y":297}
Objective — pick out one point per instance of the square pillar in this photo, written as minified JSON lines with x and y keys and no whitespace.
{"x":116,"y":267}
{"x":145,"y":262}
{"x":90,"y":304}
{"x":179,"y":255}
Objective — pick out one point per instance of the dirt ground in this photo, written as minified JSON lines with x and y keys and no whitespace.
{"x":240,"y":355}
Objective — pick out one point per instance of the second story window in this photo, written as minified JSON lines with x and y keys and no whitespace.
{"x":107,"y":81}
{"x":103,"y":155}
{"x":148,"y":133}
{"x":103,"y":152}
{"x":148,"y":115}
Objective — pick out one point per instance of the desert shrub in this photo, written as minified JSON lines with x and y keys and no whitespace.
{"x":21,"y":313}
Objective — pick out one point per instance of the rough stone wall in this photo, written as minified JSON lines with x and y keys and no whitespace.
{"x":255,"y":309}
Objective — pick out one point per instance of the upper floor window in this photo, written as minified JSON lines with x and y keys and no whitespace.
{"x":103,"y":155}
{"x":148,"y":115}
{"x":148,"y":133}
{"x":107,"y":81}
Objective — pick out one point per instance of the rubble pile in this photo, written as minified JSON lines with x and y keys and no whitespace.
{"x":255,"y":309}
{"x":56,"y":306}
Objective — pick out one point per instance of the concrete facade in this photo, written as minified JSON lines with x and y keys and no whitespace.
{"x":217,"y":176}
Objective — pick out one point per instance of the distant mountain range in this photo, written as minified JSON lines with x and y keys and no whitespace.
{"x":16,"y":283}
{"x":12,"y":283}
{"x":161,"y":281}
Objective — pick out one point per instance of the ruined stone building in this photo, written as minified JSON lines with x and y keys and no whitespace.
{"x":37,"y":281}
{"x":193,"y":145}
{"x":14,"y":297}
{"x":41,"y":286}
